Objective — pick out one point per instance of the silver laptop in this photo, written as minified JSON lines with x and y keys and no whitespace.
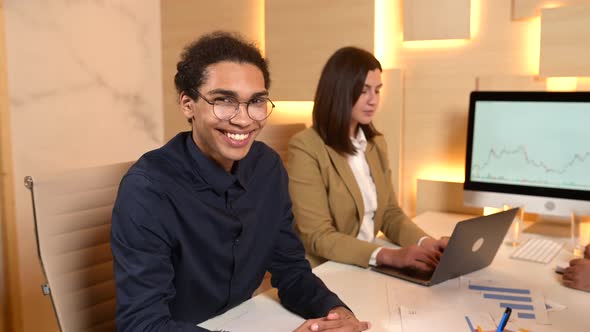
{"x":472,"y":246}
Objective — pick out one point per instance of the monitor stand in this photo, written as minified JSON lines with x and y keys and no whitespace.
{"x":550,"y":226}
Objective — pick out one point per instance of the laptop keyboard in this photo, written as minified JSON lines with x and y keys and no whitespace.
{"x":537,"y":250}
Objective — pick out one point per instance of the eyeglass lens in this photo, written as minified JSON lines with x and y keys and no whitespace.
{"x":257,"y":110}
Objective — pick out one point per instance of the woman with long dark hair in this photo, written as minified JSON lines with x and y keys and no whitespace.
{"x":339,"y":176}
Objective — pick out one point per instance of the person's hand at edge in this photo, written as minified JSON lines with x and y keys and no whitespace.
{"x":577,"y":275}
{"x":338,"y":319}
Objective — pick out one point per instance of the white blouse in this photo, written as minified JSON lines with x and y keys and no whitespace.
{"x":362,"y":174}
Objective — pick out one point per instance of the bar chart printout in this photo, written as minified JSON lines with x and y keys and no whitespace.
{"x":528,"y":305}
{"x":419,"y":320}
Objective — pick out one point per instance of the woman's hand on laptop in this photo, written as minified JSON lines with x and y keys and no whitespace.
{"x":438,"y":245}
{"x":412,"y":257}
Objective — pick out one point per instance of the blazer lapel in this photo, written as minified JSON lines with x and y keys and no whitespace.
{"x":378,"y":176}
{"x":343,"y":169}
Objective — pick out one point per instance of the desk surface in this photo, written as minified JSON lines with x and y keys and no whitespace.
{"x":375,"y":297}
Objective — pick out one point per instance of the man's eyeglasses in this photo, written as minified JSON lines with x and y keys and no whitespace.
{"x":226,"y":108}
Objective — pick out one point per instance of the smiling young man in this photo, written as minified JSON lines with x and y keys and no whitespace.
{"x":198,"y":222}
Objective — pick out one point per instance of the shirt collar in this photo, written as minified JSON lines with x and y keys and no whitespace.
{"x":210,"y":171}
{"x":360,"y":141}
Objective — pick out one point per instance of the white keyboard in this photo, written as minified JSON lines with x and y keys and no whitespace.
{"x":537,"y":250}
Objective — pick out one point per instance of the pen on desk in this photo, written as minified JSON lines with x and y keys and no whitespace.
{"x":504,"y":319}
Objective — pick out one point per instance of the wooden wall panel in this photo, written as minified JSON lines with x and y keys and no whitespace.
{"x":565,"y":46}
{"x":301,"y":36}
{"x":436,"y":19}
{"x":438,"y":78}
{"x":510,"y":83}
{"x":184,"y":21}
{"x":524,"y":9}
{"x":388,"y":120}
{"x":449,"y":197}
{"x":434,"y":129}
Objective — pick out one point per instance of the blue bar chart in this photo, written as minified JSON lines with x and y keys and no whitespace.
{"x":519,"y":299}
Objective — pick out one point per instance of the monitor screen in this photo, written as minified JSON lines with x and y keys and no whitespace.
{"x":529,"y":149}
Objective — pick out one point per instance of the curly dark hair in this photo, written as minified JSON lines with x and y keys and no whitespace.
{"x":339,"y":88}
{"x":210,"y":49}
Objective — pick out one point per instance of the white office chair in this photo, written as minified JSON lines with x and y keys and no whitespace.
{"x":72,"y":214}
{"x":277,"y":137}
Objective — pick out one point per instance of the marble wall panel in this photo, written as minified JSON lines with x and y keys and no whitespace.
{"x":85,"y":89}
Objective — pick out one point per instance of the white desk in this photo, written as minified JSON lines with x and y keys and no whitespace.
{"x":373,"y":296}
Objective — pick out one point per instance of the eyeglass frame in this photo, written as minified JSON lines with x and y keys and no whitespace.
{"x":237,"y":110}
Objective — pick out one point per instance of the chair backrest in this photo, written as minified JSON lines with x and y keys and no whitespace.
{"x":277,"y":137}
{"x":72,"y":215}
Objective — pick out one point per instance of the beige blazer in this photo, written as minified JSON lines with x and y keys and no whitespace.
{"x":328,"y":205}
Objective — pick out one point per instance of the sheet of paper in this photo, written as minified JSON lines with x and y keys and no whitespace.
{"x":528,"y":304}
{"x":551,"y":305}
{"x":418,"y":320}
{"x":251,"y":317}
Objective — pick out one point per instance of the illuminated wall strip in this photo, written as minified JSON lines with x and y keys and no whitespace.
{"x":490,"y":210}
{"x":474,"y":18}
{"x":533,"y":46}
{"x":561,"y":83}
{"x":261,"y":27}
{"x":387,"y":32}
{"x":428,"y":44}
{"x":292,"y":112}
{"x":442,"y":173}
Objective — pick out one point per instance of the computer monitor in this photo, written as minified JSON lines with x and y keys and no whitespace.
{"x":529,"y":150}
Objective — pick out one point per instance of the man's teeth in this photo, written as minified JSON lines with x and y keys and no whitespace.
{"x":237,"y":137}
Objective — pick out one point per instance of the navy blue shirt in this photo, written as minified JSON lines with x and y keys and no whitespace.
{"x":191,"y":241}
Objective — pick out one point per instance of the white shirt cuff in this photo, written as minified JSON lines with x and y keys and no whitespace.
{"x":373,"y":260}
{"x":422,"y":239}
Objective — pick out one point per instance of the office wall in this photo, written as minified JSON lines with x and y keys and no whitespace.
{"x":86,"y":82}
{"x":499,"y":48}
{"x":299,"y":40}
{"x":502,"y":54}
{"x":84,"y":89}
